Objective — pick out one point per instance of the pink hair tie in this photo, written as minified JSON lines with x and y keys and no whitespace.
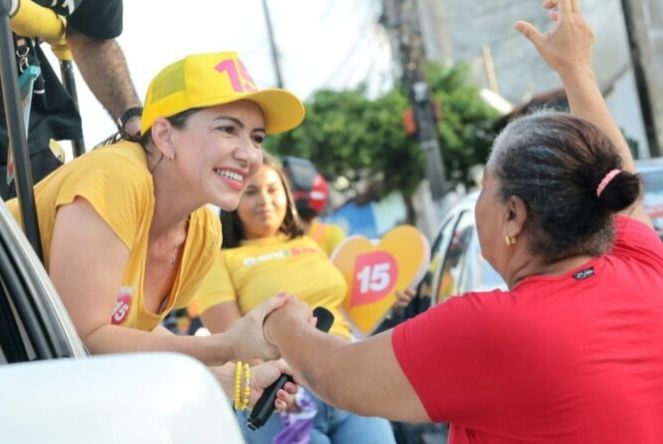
{"x":606,"y":180}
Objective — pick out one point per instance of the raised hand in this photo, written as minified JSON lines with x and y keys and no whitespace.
{"x":569,"y":44}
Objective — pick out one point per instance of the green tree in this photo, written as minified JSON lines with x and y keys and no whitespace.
{"x":345,"y":134}
{"x":465,"y":128}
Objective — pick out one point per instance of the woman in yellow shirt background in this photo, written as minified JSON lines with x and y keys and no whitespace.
{"x":265,"y":252}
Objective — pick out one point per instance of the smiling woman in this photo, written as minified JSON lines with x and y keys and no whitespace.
{"x":125,"y":230}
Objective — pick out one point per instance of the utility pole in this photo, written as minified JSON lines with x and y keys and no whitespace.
{"x":638,"y":39}
{"x":272,"y":45}
{"x":401,"y":17}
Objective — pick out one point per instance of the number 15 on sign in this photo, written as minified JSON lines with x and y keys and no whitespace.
{"x":375,"y":276}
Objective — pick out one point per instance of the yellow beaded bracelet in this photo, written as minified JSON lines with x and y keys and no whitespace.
{"x":239,"y":402}
{"x":237,"y":386}
{"x":247,"y":387}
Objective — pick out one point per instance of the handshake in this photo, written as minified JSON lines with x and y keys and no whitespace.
{"x":256,"y":335}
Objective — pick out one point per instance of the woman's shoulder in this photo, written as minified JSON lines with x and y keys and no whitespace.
{"x":122,"y":164}
{"x":636,"y":240}
{"x":124,"y":157}
{"x":206,"y":221}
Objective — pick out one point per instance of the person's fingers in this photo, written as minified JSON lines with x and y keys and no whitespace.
{"x":291,"y":388}
{"x":284,"y":399}
{"x":577,"y":8}
{"x":282,"y":366}
{"x":273,"y":303}
{"x":280,"y":406}
{"x":553,"y":15}
{"x":285,"y":396}
{"x":549,"y":4}
{"x":565,"y":6}
{"x":531,"y":32}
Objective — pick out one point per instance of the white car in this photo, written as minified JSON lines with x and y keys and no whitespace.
{"x":52,"y":391}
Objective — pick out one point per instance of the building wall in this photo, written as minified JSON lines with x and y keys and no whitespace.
{"x":459,"y":29}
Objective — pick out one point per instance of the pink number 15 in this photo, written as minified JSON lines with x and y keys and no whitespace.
{"x":240,"y":79}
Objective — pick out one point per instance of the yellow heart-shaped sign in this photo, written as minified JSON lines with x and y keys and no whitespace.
{"x":374,"y":272}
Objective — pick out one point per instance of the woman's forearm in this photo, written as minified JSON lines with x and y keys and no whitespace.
{"x":318,"y":359}
{"x":586,"y":101}
{"x":211,"y":350}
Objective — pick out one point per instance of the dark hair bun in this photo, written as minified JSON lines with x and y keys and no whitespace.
{"x":620,"y":192}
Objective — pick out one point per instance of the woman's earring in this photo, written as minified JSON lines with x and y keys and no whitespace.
{"x":171,"y":157}
{"x":510,"y":240}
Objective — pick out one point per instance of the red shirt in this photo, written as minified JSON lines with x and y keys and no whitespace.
{"x":575,"y":358}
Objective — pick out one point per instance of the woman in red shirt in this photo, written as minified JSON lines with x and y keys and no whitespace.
{"x":571,"y":352}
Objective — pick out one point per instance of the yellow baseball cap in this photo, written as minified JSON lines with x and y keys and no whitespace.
{"x":203,"y":80}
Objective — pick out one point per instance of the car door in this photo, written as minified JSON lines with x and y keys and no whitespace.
{"x":453,"y":266}
{"x":33,"y":323}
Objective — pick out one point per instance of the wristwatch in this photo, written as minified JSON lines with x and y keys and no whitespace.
{"x":128,"y":114}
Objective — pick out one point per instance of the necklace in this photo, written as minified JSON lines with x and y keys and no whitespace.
{"x":172,"y":260}
{"x":173,"y":257}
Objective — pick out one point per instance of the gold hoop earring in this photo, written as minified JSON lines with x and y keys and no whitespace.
{"x":510,"y":240}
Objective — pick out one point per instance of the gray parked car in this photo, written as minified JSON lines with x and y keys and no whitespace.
{"x":456,"y":262}
{"x":651,"y":172}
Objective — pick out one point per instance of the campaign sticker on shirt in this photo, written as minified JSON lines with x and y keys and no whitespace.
{"x":122,"y":306}
{"x":374,"y":271}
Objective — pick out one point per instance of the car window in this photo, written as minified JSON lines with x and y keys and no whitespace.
{"x":436,"y":257}
{"x":452,"y":268}
{"x":653,"y":197}
{"x":14,"y":341}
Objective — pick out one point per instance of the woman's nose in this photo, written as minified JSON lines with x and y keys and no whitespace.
{"x":247,"y":153}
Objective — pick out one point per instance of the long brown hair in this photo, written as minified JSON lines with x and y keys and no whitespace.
{"x":231,"y":224}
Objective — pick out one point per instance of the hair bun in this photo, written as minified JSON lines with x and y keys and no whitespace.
{"x":618,"y":190}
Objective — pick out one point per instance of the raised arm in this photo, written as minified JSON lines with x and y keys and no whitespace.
{"x":104,"y":68}
{"x":339,"y":372}
{"x":567,"y":48}
{"x":87,"y":263}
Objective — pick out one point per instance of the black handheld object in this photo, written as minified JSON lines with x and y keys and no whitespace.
{"x":265,"y":405}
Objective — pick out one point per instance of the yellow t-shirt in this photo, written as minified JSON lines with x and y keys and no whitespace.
{"x":116,"y":182}
{"x":262,"y":268}
{"x":328,"y":236}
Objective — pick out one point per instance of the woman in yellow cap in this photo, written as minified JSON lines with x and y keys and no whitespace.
{"x":125,"y":230}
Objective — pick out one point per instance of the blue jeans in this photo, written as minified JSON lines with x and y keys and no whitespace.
{"x":330,"y":426}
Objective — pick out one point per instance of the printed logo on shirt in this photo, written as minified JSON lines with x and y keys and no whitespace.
{"x":122,"y":306}
{"x":281,"y":254}
{"x":584,"y":274}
